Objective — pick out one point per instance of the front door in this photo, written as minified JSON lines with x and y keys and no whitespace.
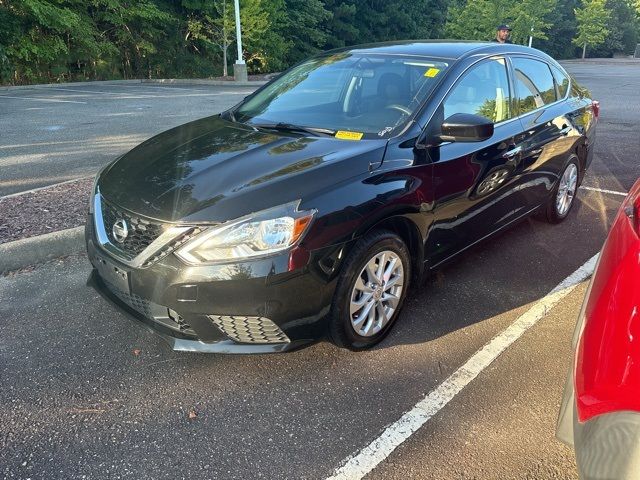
{"x":475,"y":183}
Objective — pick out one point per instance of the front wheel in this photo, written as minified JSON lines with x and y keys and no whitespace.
{"x":370,"y":291}
{"x":564,"y":194}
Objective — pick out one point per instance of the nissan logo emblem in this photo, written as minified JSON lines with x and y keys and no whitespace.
{"x":120,"y":230}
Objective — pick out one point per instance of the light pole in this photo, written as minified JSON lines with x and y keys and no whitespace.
{"x":531,"y":37}
{"x":239,"y":68}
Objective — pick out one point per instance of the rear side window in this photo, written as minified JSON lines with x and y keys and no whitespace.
{"x":534,"y":84}
{"x":562,"y":80}
{"x":484,"y":90}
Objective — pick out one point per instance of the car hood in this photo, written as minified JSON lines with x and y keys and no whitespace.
{"x":214,"y":170}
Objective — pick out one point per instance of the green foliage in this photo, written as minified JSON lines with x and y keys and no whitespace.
{"x":303,"y":25}
{"x":478,"y":19}
{"x":65,"y":40}
{"x":531,"y":18}
{"x":558,"y":44}
{"x":131,"y":30}
{"x":341,"y":24}
{"x":622,"y":26}
{"x":592,"y":24}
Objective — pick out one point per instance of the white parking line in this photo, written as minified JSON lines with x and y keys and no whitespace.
{"x":42,"y":99}
{"x":88,"y":92}
{"x":602,"y":190}
{"x":394,"y":435}
{"x":124,"y":96}
{"x":29,"y":145}
{"x":138,"y":91}
{"x":176,"y":88}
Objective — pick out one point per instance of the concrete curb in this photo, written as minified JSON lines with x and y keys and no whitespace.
{"x":203,"y":81}
{"x":602,"y":61}
{"x":168,"y":81}
{"x":57,"y":85}
{"x":33,"y":250}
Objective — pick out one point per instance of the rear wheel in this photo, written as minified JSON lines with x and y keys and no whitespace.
{"x":370,"y":291}
{"x":564,"y":194}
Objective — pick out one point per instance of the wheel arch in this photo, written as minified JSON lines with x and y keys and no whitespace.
{"x":410,"y":234}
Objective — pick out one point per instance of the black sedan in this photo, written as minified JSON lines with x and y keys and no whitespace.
{"x":309,"y":209}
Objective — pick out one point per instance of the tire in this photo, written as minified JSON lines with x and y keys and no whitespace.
{"x":564,"y":193}
{"x":366,"y":305}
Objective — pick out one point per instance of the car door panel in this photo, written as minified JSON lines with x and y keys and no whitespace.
{"x":549,"y":129}
{"x":549,"y":138}
{"x":475,"y":184}
{"x":475,"y":190}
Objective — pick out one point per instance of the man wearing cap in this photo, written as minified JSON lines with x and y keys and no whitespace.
{"x":502,"y":34}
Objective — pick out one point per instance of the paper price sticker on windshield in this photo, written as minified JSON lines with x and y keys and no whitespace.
{"x":432,"y":72}
{"x":344,"y":135}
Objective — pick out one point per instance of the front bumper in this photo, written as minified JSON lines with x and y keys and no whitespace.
{"x":257,"y":306}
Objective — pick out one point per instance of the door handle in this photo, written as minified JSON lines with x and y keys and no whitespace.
{"x":565,"y":131}
{"x":512,"y":153}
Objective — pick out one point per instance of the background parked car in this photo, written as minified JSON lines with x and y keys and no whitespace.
{"x":600,"y":412}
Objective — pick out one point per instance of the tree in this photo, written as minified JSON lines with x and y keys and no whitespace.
{"x":213,"y":23}
{"x":381,"y":20}
{"x":223,"y":28}
{"x":530,"y":18}
{"x":40,"y":38}
{"x":210,"y":24}
{"x":559,"y":44}
{"x":592,"y":24}
{"x":478,"y":19}
{"x":622,"y":26}
{"x":303,"y":27}
{"x":340,"y":25}
{"x":131,"y":33}
{"x":261,"y":19}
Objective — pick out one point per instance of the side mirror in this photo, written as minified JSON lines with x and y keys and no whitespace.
{"x":466,"y":127}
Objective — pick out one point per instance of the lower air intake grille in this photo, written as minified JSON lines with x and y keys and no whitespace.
{"x":171,"y":319}
{"x":249,"y":329}
{"x":136,"y":302}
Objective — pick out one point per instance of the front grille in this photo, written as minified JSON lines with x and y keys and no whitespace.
{"x":249,"y":329}
{"x":142,"y":232}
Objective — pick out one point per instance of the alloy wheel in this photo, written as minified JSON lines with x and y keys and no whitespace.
{"x":376,"y":293}
{"x":567,"y":189}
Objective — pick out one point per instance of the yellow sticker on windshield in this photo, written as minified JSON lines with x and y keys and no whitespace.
{"x":432,"y":72}
{"x":344,"y":135}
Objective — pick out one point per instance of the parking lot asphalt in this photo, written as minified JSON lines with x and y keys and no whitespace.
{"x":77,"y":400}
{"x":86,"y":392}
{"x":50,"y":135}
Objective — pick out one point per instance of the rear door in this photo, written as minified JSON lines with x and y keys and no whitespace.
{"x":548,"y":137}
{"x":474,"y":183}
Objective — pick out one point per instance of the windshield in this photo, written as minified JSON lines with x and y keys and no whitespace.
{"x":351,"y":96}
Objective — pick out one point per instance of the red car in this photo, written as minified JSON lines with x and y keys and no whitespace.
{"x":600,"y":413}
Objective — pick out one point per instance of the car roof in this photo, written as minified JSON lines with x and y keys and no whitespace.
{"x":446,"y":49}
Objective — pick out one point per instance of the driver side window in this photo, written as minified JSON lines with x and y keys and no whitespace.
{"x":483,"y":90}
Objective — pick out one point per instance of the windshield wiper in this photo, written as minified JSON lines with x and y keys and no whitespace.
{"x":289,"y":127}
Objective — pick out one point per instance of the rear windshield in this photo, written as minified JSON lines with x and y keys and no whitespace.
{"x":373,"y":95}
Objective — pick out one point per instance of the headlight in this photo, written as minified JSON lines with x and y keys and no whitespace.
{"x":256,"y":235}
